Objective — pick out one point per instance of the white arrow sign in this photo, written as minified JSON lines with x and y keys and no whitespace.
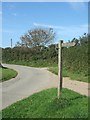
{"x":68,"y":44}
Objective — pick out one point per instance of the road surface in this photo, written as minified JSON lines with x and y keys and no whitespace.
{"x":31,"y":80}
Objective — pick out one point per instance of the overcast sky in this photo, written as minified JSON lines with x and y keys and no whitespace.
{"x":68,"y":19}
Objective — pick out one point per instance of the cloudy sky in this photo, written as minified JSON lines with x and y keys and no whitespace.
{"x":68,"y":19}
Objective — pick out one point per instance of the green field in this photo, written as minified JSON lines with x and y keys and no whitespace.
{"x":6,"y":74}
{"x":72,"y":75}
{"x":46,"y":105}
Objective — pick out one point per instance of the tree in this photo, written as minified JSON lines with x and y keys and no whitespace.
{"x":76,"y":41}
{"x":37,"y":37}
{"x":84,"y":39}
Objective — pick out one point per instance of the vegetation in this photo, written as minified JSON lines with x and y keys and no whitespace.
{"x":6,"y":74}
{"x":70,"y":74}
{"x":46,"y":105}
{"x":76,"y":59}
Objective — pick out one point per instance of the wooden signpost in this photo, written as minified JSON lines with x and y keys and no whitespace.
{"x":60,"y":45}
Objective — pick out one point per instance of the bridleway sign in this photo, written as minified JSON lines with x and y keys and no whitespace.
{"x":68,"y":44}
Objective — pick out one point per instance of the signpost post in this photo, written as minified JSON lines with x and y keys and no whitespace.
{"x":60,"y":45}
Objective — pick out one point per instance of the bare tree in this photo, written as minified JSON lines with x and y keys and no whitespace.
{"x":37,"y":37}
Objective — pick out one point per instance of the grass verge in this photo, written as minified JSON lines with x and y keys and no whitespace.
{"x":68,"y":73}
{"x":46,"y":105}
{"x":6,"y":74}
{"x":37,"y":63}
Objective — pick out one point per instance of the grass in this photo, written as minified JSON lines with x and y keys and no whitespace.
{"x":46,"y":105}
{"x":6,"y":74}
{"x":72,"y":75}
{"x":37,"y":63}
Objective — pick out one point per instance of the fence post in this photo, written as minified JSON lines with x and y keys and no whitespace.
{"x":59,"y":67}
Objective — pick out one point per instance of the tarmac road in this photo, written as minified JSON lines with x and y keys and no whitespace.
{"x":28,"y":81}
